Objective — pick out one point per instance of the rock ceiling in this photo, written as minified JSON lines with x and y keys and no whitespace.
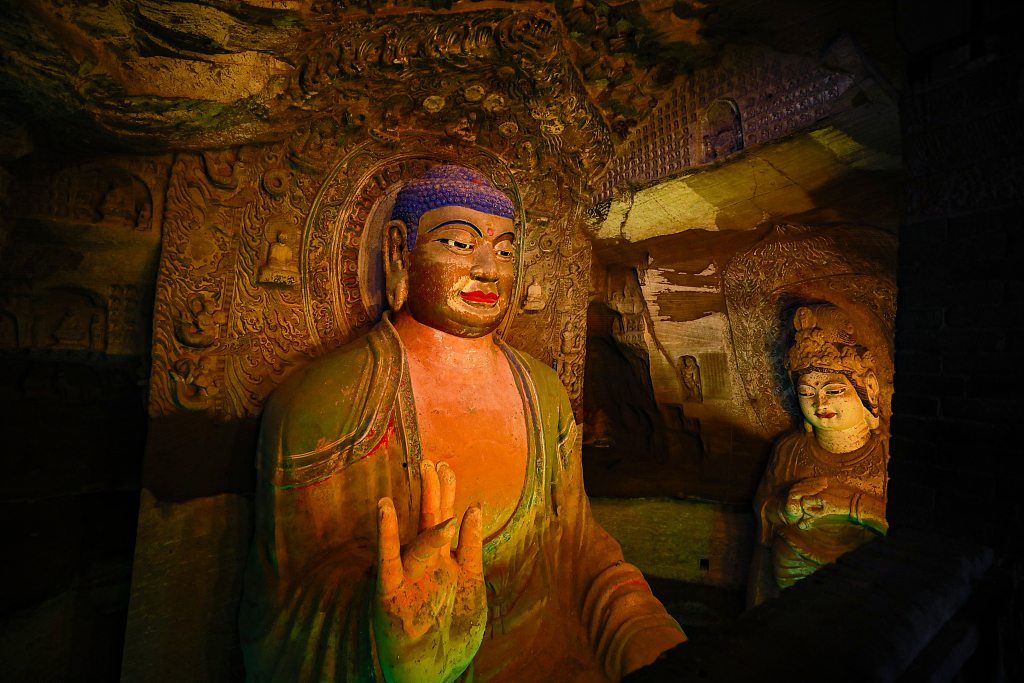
{"x":156,"y":75}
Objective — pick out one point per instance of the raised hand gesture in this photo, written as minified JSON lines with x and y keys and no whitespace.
{"x":429,"y":609}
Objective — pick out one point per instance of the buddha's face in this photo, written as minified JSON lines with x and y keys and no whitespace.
{"x":828,"y":401}
{"x":462,"y":271}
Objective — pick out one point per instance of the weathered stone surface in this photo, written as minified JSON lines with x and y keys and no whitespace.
{"x":687,"y":540}
{"x":186,"y":584}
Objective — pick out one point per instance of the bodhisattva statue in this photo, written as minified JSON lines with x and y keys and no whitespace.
{"x":352,"y":576}
{"x":824,"y":492}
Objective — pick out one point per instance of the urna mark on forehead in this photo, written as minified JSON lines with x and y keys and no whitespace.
{"x":449,"y":185}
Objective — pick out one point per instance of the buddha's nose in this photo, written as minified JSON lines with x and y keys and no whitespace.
{"x":485,"y":267}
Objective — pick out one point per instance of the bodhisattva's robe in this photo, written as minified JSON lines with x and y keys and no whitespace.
{"x":341,"y":435}
{"x":797,"y":552}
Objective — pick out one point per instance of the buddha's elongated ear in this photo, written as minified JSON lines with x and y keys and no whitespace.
{"x":395,"y":251}
{"x":871,"y":388}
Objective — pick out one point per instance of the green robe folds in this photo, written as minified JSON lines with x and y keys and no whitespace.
{"x":342,"y":434}
{"x":797,"y":552}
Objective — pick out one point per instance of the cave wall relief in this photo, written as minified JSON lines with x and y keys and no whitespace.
{"x":80,"y":259}
{"x":751,"y":96}
{"x":850,"y":266}
{"x":266,"y":267}
{"x":270,"y":251}
{"x":708,"y":315}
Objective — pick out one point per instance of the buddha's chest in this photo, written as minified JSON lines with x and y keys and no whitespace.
{"x":479,"y":429}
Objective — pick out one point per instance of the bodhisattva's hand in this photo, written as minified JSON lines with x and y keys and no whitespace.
{"x":793,"y":509}
{"x":430,"y":609}
{"x":833,"y":502}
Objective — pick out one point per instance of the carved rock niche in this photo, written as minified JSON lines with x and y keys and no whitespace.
{"x":850,"y":266}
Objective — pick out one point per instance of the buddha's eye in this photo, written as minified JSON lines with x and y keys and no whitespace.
{"x":503,"y":249}
{"x":449,"y":242}
{"x":805,"y":391}
{"x":835,"y":390}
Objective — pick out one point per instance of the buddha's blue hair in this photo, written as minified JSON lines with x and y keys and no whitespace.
{"x":448,"y":185}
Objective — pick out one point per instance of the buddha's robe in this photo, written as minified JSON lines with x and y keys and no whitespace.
{"x":340,"y":435}
{"x":797,"y":552}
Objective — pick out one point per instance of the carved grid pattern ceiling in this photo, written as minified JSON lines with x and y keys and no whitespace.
{"x":775,"y":95}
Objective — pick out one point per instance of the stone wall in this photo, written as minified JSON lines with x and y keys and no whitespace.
{"x":76,"y":275}
{"x":960,"y":345}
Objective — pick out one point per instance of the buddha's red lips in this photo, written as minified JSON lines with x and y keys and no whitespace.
{"x":478,"y":297}
{"x":826,"y":415}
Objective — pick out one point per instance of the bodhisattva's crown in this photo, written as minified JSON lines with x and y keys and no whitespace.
{"x":826,"y":341}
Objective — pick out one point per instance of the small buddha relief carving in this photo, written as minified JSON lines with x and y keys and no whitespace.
{"x":118,"y":207}
{"x":534,"y":296}
{"x":723,"y":131}
{"x":69,"y":334}
{"x":824,"y":492}
{"x":280,"y":268}
{"x":690,"y":372}
{"x":629,"y":327}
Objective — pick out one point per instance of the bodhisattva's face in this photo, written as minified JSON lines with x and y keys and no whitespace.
{"x":462,"y":271}
{"x":829,"y":401}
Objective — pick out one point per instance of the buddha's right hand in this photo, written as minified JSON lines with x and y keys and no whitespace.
{"x":430,"y":609}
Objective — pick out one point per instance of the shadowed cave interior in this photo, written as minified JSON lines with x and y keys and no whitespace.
{"x":193,"y":197}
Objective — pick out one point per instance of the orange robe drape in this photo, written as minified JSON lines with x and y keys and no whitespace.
{"x":340,"y":435}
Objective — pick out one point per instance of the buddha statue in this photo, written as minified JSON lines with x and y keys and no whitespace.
{"x":534,"y":296}
{"x":69,"y":334}
{"x":429,"y":428}
{"x":280,"y":267}
{"x":824,"y":492}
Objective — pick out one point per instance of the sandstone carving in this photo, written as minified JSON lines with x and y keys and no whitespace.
{"x":751,"y":96}
{"x":824,"y":492}
{"x":534,"y":296}
{"x":690,"y":372}
{"x":852,"y":266}
{"x":450,"y":424}
{"x":630,"y":326}
{"x":280,"y":268}
{"x":722,"y":131}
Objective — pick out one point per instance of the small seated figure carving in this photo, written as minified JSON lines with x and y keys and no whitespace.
{"x":69,"y":334}
{"x":534,"y":296}
{"x":280,"y":268}
{"x":375,"y":458}
{"x":824,"y":492}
